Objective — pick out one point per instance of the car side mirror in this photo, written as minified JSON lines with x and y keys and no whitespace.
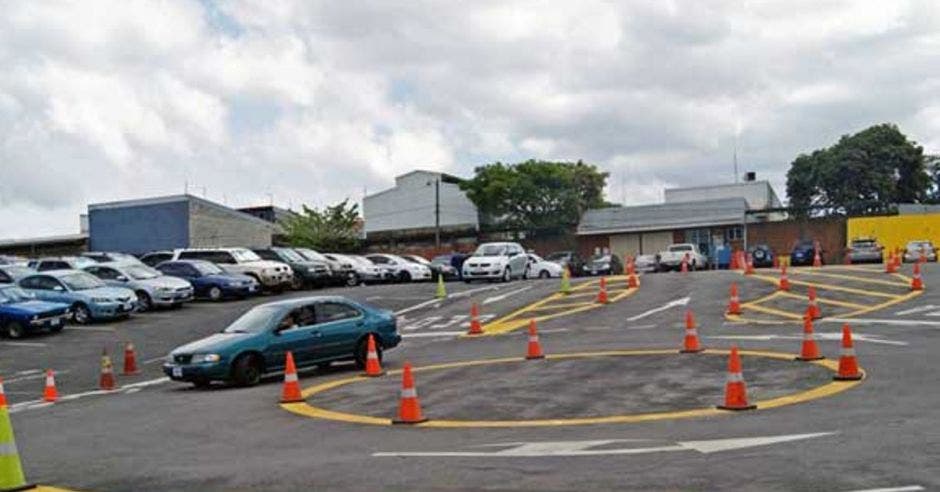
{"x":58,"y":288}
{"x":121,"y":278}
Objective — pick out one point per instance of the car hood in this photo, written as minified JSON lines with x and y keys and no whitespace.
{"x":110,"y":292}
{"x":222,"y":277}
{"x":217,"y":343}
{"x":29,"y":308}
{"x":487,"y":259}
{"x":165,"y":281}
{"x":263,"y":264}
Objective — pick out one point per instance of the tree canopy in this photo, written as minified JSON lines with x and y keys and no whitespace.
{"x":861,"y":174}
{"x":334,"y":228}
{"x":536,"y":194}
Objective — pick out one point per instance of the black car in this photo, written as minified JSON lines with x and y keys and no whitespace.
{"x":569,"y":259}
{"x":603,"y":265}
{"x":803,"y":253}
{"x":154,"y":258}
{"x":307,"y":273}
{"x":761,"y":256}
{"x":451,"y":265}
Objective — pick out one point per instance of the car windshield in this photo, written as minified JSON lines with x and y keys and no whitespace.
{"x":245,"y":255}
{"x":441,"y":260}
{"x":291,"y":255}
{"x":917,"y":245}
{"x":411,"y":259}
{"x":254,"y":321}
{"x":17,"y":271}
{"x":490,"y":250}
{"x":142,"y":272}
{"x":311,"y":254}
{"x":680,"y":247}
{"x":207,"y":268}
{"x":600,"y":258}
{"x":9,"y":295}
{"x":81,"y":281}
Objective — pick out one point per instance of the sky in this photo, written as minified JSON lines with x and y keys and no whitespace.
{"x":248,"y":102}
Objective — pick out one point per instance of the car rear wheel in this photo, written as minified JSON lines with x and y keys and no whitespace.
{"x":297,"y":283}
{"x":507,"y":275}
{"x":405,"y":276}
{"x":81,"y":314}
{"x":544,"y":274}
{"x":352,"y":280}
{"x":144,"y":303}
{"x":215,"y":293}
{"x":15,"y":330}
{"x":246,"y":371}
{"x":362,"y":350}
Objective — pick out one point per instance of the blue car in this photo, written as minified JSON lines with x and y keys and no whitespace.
{"x":22,"y":313}
{"x":209,"y":281}
{"x":88,"y":297}
{"x":317,"y":330}
{"x":803,"y":253}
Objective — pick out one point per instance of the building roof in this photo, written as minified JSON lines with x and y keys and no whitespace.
{"x":67,"y":238}
{"x":140,"y":202}
{"x":664,"y":216}
{"x":759,"y":194}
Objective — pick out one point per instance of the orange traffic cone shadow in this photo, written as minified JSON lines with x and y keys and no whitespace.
{"x":916,"y":282}
{"x":784,"y":283}
{"x":602,"y":293}
{"x":106,"y":380}
{"x":848,"y":364}
{"x":373,"y":365}
{"x":291,"y":391}
{"x":50,"y":393}
{"x":813,"y":308}
{"x":534,"y":350}
{"x":809,"y":349}
{"x":475,"y":327}
{"x":690,"y":343}
{"x":409,"y":408}
{"x":735,"y":389}
{"x":734,"y":305}
{"x":130,"y":359}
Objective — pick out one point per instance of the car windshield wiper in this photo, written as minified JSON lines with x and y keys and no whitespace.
{"x":235,"y":331}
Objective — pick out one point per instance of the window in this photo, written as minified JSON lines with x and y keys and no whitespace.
{"x":53,"y":265}
{"x":380,"y":260}
{"x":735,"y":233}
{"x":267,"y":254}
{"x":4,"y":278}
{"x":104,"y":273}
{"x":170,"y":269}
{"x":329,"y":312}
{"x":41,"y":283}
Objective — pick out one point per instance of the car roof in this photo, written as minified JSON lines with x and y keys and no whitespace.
{"x":59,"y":273}
{"x":300,"y":301}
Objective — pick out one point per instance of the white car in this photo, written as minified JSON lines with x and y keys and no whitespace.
{"x":402,"y":269}
{"x":671,"y":259}
{"x":645,"y":263}
{"x":270,"y":274}
{"x":540,"y":268}
{"x":914,"y":248}
{"x":496,"y":261}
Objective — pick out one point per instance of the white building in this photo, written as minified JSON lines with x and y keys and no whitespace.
{"x":419,"y":201}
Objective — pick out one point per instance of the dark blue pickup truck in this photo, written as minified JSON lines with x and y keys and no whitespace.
{"x":22,"y":313}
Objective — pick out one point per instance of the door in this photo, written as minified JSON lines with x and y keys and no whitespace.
{"x":47,"y":289}
{"x":519,"y":261}
{"x":295,"y":331}
{"x":339,"y":325}
{"x":108,"y":275}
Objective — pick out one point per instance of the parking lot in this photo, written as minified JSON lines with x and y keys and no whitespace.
{"x":613,"y":400}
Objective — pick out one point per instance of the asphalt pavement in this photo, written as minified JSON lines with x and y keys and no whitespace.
{"x":161,"y":435}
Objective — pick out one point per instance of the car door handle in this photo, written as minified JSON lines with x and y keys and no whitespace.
{"x":316,"y":334}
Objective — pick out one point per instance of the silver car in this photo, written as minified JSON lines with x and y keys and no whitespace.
{"x":153,"y":288}
{"x":914,"y":248}
{"x":865,"y":250}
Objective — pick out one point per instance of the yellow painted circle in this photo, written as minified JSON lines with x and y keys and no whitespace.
{"x":828,"y":389}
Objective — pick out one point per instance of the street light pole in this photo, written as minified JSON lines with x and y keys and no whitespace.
{"x":437,"y":214}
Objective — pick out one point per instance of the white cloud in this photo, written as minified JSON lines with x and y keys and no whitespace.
{"x":313,"y":102}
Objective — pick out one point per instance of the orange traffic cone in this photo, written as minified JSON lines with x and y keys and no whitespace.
{"x":631,"y":265}
{"x":890,"y":265}
{"x":916,"y":282}
{"x":814,"y":310}
{"x":684,"y":266}
{"x":848,"y":365}
{"x":3,"y":396}
{"x":632,"y":282}
{"x":373,"y":365}
{"x":475,"y":327}
{"x":735,"y":389}
{"x":130,"y":359}
{"x":50,"y":393}
{"x":106,"y":380}
{"x":784,"y":283}
{"x":690,"y":343}
{"x":749,"y":267}
{"x":817,"y":260}
{"x":733,"y":264}
{"x":809,"y":349}
{"x":602,"y":293}
{"x":409,"y":408}
{"x":734,"y":305}
{"x":535,"y":348}
{"x":291,"y":390}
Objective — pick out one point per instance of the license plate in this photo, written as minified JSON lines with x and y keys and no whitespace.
{"x":129,"y":306}
{"x":593,"y":272}
{"x":252,"y":288}
{"x":177,"y":372}
{"x":55,"y":322}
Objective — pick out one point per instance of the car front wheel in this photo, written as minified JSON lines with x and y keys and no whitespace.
{"x":246,"y":371}
{"x":81,"y":314}
{"x":15,"y":330}
{"x":507,"y":275}
{"x":144,"y":303}
{"x":215,"y":293}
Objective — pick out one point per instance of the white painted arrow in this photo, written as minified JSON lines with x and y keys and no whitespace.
{"x":928,"y":307}
{"x":858,"y":337}
{"x":678,"y":302}
{"x":500,"y":297}
{"x":587,"y":448}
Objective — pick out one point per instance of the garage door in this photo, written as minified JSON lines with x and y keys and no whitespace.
{"x":654,"y":242}
{"x":625,"y":244}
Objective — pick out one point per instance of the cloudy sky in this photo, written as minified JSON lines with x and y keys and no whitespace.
{"x":312,"y":102}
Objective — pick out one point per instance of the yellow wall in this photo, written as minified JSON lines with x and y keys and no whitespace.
{"x":896,"y":230}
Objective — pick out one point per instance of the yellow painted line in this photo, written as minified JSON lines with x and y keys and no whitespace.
{"x":825,"y":390}
{"x":548,"y":307}
{"x":47,"y":488}
{"x":821,"y":300}
{"x":883,"y":305}
{"x":858,"y":268}
{"x":830,"y":287}
{"x":853,"y":278}
{"x":777,"y":312}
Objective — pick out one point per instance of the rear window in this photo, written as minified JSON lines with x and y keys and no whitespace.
{"x":863,"y":244}
{"x":680,"y":247}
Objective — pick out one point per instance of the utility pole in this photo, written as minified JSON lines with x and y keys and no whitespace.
{"x":437,"y":214}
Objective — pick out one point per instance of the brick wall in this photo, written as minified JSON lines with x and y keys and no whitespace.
{"x":781,"y":236}
{"x":587,"y":244}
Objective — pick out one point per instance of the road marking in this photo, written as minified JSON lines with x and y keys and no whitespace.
{"x":873,"y":321}
{"x":929,"y":307}
{"x":32,"y":375}
{"x":92,"y":328}
{"x":828,"y":389}
{"x":678,"y":302}
{"x":907,"y":488}
{"x":23,"y":344}
{"x":501,"y":297}
{"x":155,"y":359}
{"x":127,"y":388}
{"x":587,"y":448}
{"x":858,"y":337}
{"x":456,"y":295}
{"x":832,"y":302}
{"x":433,"y":334}
{"x":765,"y":309}
{"x":852,"y":278}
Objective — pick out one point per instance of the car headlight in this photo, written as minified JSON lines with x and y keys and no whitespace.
{"x":164,"y":289}
{"x":100,"y":299}
{"x":201,"y":358}
{"x":168,"y":359}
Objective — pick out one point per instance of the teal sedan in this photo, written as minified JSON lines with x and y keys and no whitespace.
{"x":317,"y":330}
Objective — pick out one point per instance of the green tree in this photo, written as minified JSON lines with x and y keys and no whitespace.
{"x":861,"y":174}
{"x":932,"y":165}
{"x":536,"y":194}
{"x":335,"y":228}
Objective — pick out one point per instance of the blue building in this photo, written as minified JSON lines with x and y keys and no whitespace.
{"x":179,"y":221}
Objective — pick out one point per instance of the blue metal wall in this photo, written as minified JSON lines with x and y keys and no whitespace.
{"x":139,"y":229}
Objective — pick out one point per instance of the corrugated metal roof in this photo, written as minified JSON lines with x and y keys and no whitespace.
{"x":665,"y":216}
